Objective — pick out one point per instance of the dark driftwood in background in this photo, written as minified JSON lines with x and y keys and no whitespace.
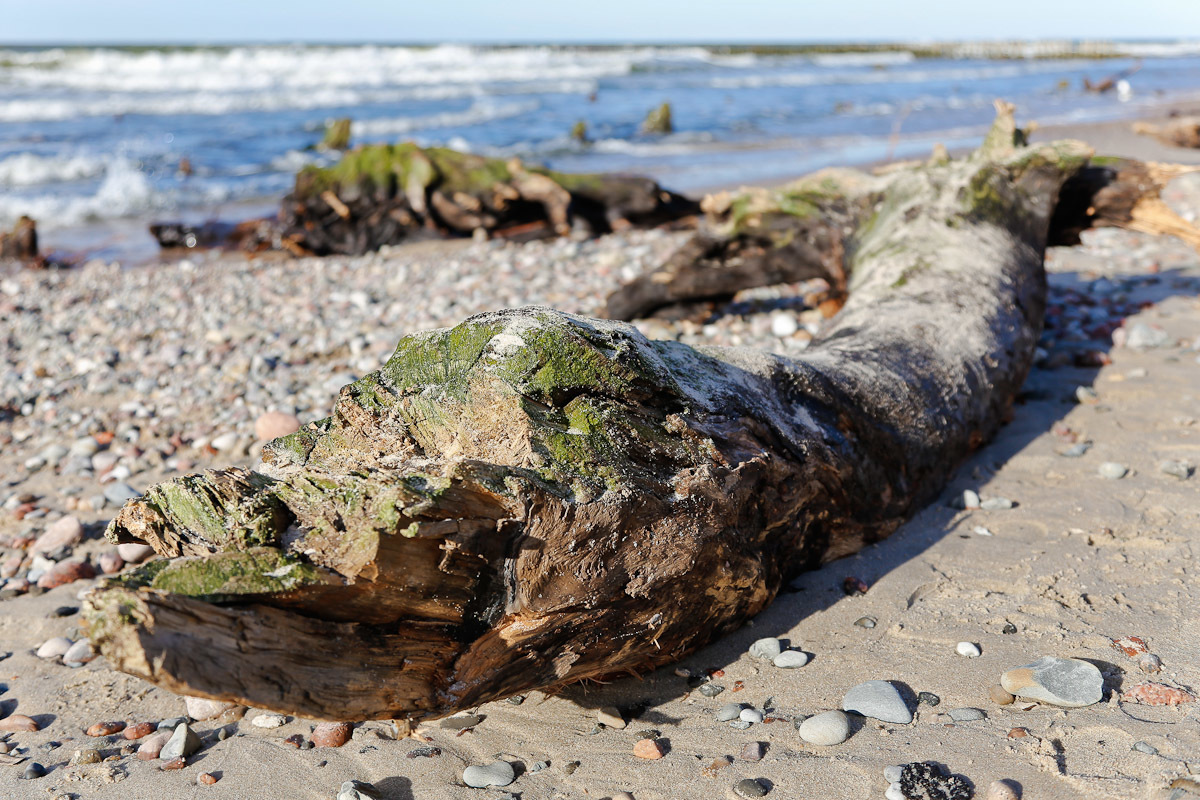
{"x":532,"y":498}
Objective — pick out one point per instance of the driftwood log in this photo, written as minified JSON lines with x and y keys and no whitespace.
{"x":382,"y":194}
{"x":799,"y":231}
{"x":533,"y":498}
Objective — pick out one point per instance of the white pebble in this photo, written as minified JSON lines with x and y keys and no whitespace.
{"x":268,"y":720}
{"x":893,"y":792}
{"x":825,"y":729}
{"x":968,"y":649}
{"x":53,"y":648}
{"x":892,"y":774}
{"x":750,"y":715}
{"x":790,"y":659}
{"x":1112,"y":470}
{"x":784,"y":325}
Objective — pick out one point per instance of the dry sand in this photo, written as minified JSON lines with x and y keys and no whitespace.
{"x":1080,"y":560}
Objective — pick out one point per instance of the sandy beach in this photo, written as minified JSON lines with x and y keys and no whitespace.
{"x":116,"y":378}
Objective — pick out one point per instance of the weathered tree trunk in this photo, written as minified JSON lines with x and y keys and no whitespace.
{"x":533,"y":498}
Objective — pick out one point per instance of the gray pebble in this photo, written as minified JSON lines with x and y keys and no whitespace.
{"x":183,"y":742}
{"x":766,"y":649}
{"x":539,"y":766}
{"x":729,"y":711}
{"x":866,"y":622}
{"x":749,"y":787}
{"x":33,"y":771}
{"x":1067,"y":682}
{"x":970,"y":498}
{"x":892,"y":774}
{"x":1177,"y":469}
{"x":118,"y":493}
{"x":879,"y":700}
{"x":790,"y":659}
{"x":1148,"y":749}
{"x":996,"y":504}
{"x":498,"y":773}
{"x":752,"y":751}
{"x":739,"y":724}
{"x":711,"y":689}
{"x":966,"y":714}
{"x":171,"y":723}
{"x":1112,"y":470}
{"x":1076,"y":450}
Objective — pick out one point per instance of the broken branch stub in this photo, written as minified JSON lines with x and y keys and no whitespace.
{"x":532,"y":498}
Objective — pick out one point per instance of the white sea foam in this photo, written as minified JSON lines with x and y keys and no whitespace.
{"x":480,"y":112}
{"x":28,"y":169}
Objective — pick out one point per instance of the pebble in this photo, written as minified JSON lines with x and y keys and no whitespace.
{"x":119,"y":493}
{"x":1002,"y":790}
{"x":1178,"y":469}
{"x":201,"y":708}
{"x":751,"y":715}
{"x":1149,"y":663}
{"x":1077,"y":450}
{"x":268,"y":720}
{"x":65,"y":572}
{"x":79,"y":654}
{"x":728,"y":712}
{"x":766,"y":649}
{"x":739,"y":724}
{"x":225,"y":442}
{"x":19,"y":723}
{"x":106,"y":728}
{"x":207,"y":778}
{"x":1141,"y":336}
{"x":648,"y":749}
{"x":892,"y":774}
{"x":996,"y":504}
{"x":171,"y":724}
{"x":894,"y":792}
{"x":1000,"y":696}
{"x":968,"y":649}
{"x":331,"y":734}
{"x":610,"y":717}
{"x":138,"y":730}
{"x":33,"y":771}
{"x":357,"y":790}
{"x":966,"y":714}
{"x":752,"y":751}
{"x":274,"y":424}
{"x":152,"y":745}
{"x":1067,"y":682}
{"x":133,"y":553}
{"x":183,"y":743}
{"x":790,"y":659}
{"x":879,"y":700}
{"x":866,"y":622}
{"x":86,"y":755}
{"x":110,"y":562}
{"x":784,"y":325}
{"x":64,"y":532}
{"x":1143,"y":747}
{"x":54,"y":648}
{"x":498,"y":773}
{"x":970,"y":499}
{"x":1112,"y":470}
{"x":179,"y":762}
{"x":711,"y":689}
{"x":750,"y":787}
{"x":825,"y":729}
{"x":928,"y":698}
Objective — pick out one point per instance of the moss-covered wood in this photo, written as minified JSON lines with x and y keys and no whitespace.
{"x":384,"y":193}
{"x":532,"y":498}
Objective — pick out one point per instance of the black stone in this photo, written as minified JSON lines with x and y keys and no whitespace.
{"x":749,"y":787}
{"x":925,"y":780}
{"x":929,"y":698}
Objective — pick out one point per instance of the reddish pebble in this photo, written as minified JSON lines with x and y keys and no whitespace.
{"x":18,"y":723}
{"x":139,"y":730}
{"x":295,"y":740}
{"x":11,"y":566}
{"x":1130,"y":645}
{"x":1156,"y":694}
{"x":1018,"y":733}
{"x":207,"y":778}
{"x":104,"y":438}
{"x":854,"y":586}
{"x":66,"y":572}
{"x":648,"y":749}
{"x":106,"y":728}
{"x":152,"y":745}
{"x":274,"y":424}
{"x":110,"y":562}
{"x":331,"y":734}
{"x":175,"y":763}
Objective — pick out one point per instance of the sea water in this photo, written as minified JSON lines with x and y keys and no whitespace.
{"x":96,"y":135}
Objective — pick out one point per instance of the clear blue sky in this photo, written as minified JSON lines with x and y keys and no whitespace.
{"x":589,"y":21}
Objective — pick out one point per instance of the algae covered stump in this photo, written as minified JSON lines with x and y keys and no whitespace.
{"x":532,"y":498}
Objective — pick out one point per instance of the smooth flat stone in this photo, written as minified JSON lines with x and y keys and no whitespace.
{"x":498,"y":773}
{"x":766,"y":649}
{"x":878,"y":700}
{"x":53,"y":648}
{"x":966,"y":714}
{"x":1067,"y":682}
{"x":728,"y":712}
{"x":183,"y":743}
{"x":790,"y":659}
{"x":825,"y":729}
{"x":751,"y":715}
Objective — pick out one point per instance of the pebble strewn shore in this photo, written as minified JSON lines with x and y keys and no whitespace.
{"x":1008,"y":633}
